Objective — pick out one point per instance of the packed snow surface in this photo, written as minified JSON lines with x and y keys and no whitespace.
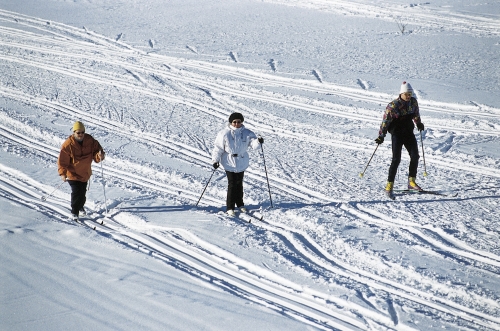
{"x":154,"y":81}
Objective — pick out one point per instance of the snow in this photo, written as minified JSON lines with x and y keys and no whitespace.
{"x":154,"y":81}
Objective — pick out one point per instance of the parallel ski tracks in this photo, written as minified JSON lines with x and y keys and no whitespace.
{"x":421,"y":14}
{"x":191,"y":254}
{"x":287,"y":188}
{"x":201,"y":156}
{"x":246,"y":76}
{"x":263,"y":80}
{"x":111,"y":56}
{"x":126,"y":176}
{"x":192,"y":153}
{"x":447,"y":243}
{"x":61,"y":30}
{"x":165,"y":246}
{"x":213,"y":269}
{"x":319,"y":256}
{"x":203,"y":107}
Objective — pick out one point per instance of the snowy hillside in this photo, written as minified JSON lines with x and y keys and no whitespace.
{"x":154,"y":81}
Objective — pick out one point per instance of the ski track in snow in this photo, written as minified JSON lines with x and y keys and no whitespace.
{"x":216,"y":90}
{"x":148,"y":183}
{"x":171,"y":247}
{"x":417,"y":15}
{"x":209,"y":262}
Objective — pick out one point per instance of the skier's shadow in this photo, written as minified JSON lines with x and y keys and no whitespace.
{"x":154,"y":209}
{"x":478,"y":189}
{"x":284,"y":206}
{"x":164,"y":209}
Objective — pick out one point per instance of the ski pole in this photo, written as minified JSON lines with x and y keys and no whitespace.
{"x":363,"y":173}
{"x":423,"y":154}
{"x":267,"y":178}
{"x":44,"y":198}
{"x":213,"y":172}
{"x":104,"y":186}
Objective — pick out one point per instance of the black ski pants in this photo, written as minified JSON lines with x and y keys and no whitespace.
{"x":409,"y":141}
{"x":78,"y":195}
{"x":234,"y":189}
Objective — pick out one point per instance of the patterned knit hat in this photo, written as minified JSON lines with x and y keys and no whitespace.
{"x":405,"y":88}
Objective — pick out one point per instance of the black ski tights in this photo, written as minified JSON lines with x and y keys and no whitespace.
{"x":410,"y":143}
{"x":234,"y":189}
{"x":78,"y":195}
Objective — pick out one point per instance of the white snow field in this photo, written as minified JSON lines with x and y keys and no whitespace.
{"x":155,"y":80}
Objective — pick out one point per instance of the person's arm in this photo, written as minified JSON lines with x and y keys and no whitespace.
{"x":98,"y":152}
{"x":386,"y":120}
{"x":218,"y":148}
{"x":254,"y":141}
{"x":416,"y":117}
{"x":63,"y":161}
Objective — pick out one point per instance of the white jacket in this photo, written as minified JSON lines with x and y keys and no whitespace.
{"x":230,"y":148}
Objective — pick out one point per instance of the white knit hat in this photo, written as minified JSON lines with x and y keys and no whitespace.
{"x":405,"y":87}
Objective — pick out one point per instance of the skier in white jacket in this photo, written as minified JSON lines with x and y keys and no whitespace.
{"x":230,"y":149}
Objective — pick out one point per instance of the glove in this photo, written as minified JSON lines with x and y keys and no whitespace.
{"x":379,"y":140}
{"x":261,"y":140}
{"x":100,"y":156}
{"x":216,"y":165}
{"x":420,"y":126}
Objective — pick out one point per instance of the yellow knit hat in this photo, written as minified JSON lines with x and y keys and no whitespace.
{"x":78,"y":126}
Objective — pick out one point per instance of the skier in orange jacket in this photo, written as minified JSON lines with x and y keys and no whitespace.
{"x":74,"y":165}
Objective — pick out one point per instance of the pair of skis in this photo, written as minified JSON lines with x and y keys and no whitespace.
{"x":249,"y":216}
{"x":88,"y":221}
{"x":451,"y":194}
{"x":252,"y":216}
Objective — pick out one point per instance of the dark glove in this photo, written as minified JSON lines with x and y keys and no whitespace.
{"x":261,"y":140}
{"x":216,"y":165}
{"x":379,"y":140}
{"x":420,"y":126}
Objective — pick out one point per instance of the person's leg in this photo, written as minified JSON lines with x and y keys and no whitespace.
{"x":231,"y":190}
{"x":397,"y":145}
{"x":239,"y":189}
{"x":78,"y":195}
{"x":411,"y":146}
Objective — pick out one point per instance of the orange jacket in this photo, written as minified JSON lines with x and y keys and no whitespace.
{"x":75,"y":159}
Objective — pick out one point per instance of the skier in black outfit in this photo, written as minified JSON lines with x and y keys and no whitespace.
{"x":399,"y":116}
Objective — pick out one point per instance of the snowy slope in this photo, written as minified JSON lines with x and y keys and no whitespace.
{"x":154,"y":82}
